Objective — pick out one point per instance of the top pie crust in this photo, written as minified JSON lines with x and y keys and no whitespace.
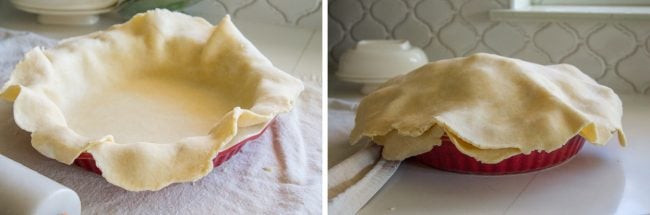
{"x":491,"y":107}
{"x":153,"y":100}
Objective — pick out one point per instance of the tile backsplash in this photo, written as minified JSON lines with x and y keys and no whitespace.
{"x":303,"y":13}
{"x":615,"y":53}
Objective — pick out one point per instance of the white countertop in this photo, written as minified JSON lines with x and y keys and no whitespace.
{"x":599,"y":180}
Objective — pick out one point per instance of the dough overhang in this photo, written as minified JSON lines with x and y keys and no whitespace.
{"x":491,"y":107}
{"x":48,"y":87}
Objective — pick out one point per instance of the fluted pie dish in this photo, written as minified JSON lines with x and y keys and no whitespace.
{"x":489,"y":114}
{"x":153,"y":101}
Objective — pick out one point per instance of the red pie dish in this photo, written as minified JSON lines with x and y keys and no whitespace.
{"x":448,"y":158}
{"x":87,"y":162}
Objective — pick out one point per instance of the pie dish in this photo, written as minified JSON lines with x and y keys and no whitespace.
{"x":447,"y":157}
{"x":87,"y":162}
{"x":153,"y":100}
{"x":491,"y":108}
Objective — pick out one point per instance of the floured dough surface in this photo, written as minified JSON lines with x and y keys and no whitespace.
{"x":491,"y":107}
{"x":154,"y":100}
{"x":161,"y":110}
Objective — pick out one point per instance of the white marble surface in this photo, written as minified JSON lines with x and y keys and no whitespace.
{"x":599,"y":180}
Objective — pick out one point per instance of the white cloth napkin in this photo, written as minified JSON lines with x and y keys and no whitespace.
{"x":340,"y":115}
{"x":279,"y":173}
{"x":357,"y":172}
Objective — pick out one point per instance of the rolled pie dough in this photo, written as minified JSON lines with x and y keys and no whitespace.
{"x":491,"y":107}
{"x":153,"y":100}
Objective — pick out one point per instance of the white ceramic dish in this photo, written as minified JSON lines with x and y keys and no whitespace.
{"x":66,"y":17}
{"x":66,"y":4}
{"x":373,"y":62}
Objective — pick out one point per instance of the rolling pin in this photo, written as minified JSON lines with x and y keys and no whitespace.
{"x":24,"y":191}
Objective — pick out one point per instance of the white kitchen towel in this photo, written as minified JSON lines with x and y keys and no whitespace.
{"x":278,"y":173}
{"x":353,"y":182}
{"x":340,"y":115}
{"x":356,"y":173}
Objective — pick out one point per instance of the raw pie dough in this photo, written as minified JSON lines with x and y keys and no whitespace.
{"x":491,"y":107}
{"x":153,"y":100}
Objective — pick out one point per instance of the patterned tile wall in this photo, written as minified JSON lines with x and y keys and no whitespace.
{"x":304,"y":13}
{"x":615,"y":53}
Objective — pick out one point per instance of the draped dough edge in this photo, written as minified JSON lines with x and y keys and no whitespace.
{"x":596,"y":133}
{"x":423,"y":143}
{"x":146,"y":166}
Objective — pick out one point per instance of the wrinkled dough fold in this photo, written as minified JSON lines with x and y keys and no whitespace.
{"x":48,"y":85}
{"x":491,"y":107}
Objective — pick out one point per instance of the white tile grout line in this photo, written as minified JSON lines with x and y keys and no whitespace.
{"x":520,"y":192}
{"x":304,"y":49}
